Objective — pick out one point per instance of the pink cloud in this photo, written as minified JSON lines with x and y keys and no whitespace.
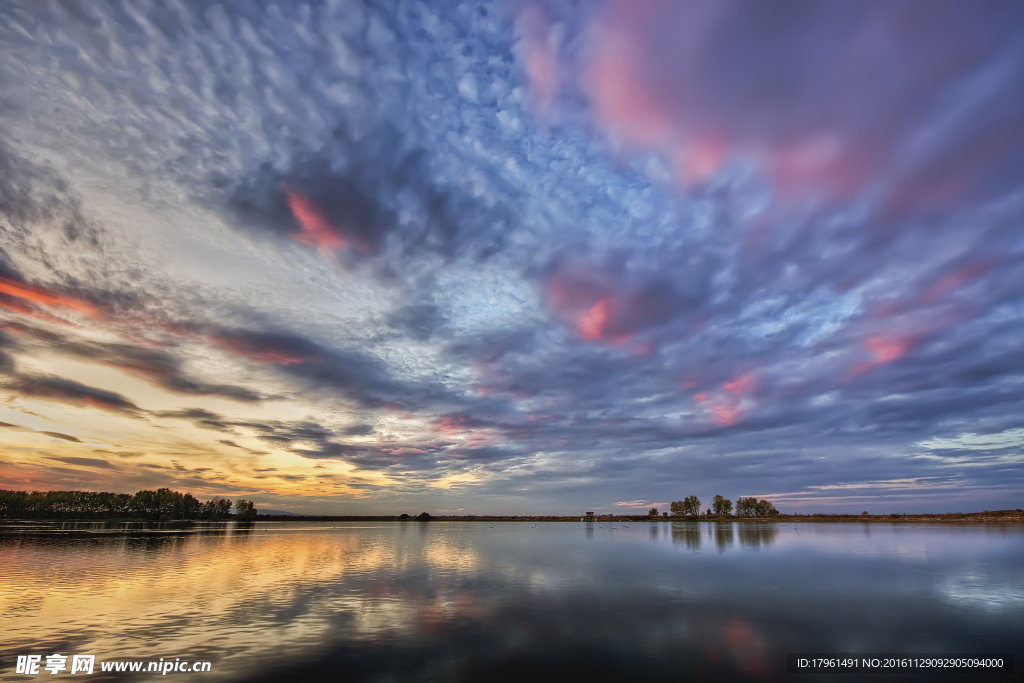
{"x":886,"y":349}
{"x":824,"y":100}
{"x":883,"y":349}
{"x":316,"y":230}
{"x":731,"y":400}
{"x":450,"y":424}
{"x":606,"y":306}
{"x":540,"y":58}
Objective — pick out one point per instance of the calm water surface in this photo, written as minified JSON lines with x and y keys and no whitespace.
{"x":451,"y":601}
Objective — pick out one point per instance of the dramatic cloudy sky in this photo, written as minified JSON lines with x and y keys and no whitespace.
{"x":513,"y":257}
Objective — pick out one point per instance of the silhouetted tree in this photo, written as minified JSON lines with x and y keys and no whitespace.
{"x":752,"y":507}
{"x":245,"y":510}
{"x":688,"y":507}
{"x":160,"y":504}
{"x":746,"y":507}
{"x":721,"y":506}
{"x":189,"y":506}
{"x":218,"y":508}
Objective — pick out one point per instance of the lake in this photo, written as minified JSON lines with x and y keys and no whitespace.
{"x":477,"y":601}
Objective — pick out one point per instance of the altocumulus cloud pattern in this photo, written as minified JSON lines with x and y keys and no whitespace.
{"x":514,"y":257}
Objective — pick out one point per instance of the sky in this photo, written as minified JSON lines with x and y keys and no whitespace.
{"x":354,"y":257}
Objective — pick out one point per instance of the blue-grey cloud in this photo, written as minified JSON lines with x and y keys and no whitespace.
{"x":599,"y":253}
{"x":70,"y":391}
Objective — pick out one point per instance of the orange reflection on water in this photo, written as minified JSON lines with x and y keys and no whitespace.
{"x":226,"y":590}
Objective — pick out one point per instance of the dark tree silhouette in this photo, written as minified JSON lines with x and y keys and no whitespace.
{"x":721,"y":506}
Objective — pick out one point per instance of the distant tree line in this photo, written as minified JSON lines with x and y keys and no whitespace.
{"x":720,"y":506}
{"x":155,"y":505}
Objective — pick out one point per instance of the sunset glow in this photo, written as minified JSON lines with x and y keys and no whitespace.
{"x":359,"y":257}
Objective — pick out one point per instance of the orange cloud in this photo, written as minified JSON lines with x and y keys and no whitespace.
{"x":42,"y":296}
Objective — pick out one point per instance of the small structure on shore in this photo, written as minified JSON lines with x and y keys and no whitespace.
{"x":588,"y":518}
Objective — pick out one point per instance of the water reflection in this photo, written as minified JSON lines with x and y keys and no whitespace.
{"x":723,"y":535}
{"x":753,"y":535}
{"x":687,"y":534}
{"x":467,"y":602}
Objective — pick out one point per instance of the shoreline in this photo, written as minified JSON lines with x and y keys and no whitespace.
{"x":985,"y":517}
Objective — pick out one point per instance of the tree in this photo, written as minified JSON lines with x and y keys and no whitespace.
{"x":245,"y":510}
{"x":146,"y":504}
{"x":766,"y":509}
{"x":688,"y":507}
{"x":170,"y":504}
{"x":218,"y":508}
{"x":189,"y":506}
{"x":222,"y":507}
{"x":721,"y":506}
{"x":653,"y":512}
{"x":691,"y":505}
{"x":752,"y":507}
{"x":162,"y":503}
{"x":746,"y":507}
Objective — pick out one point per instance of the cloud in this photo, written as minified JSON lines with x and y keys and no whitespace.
{"x":157,"y":366}
{"x":606,"y":302}
{"x":64,"y":437}
{"x":164,"y":370}
{"x":350,"y":373}
{"x":315,"y":207}
{"x":199,"y":416}
{"x":69,"y":391}
{"x":30,"y":294}
{"x":542,"y":251}
{"x":85,"y":462}
{"x":808,"y":94}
